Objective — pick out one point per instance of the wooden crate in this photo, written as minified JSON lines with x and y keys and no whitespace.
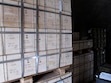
{"x":29,"y":42}
{"x":30,"y":3}
{"x":42,"y":44}
{"x":81,"y":59}
{"x":53,"y":62}
{"x":14,"y":2}
{"x":12,"y":43}
{"x":29,"y":67}
{"x":66,"y":24}
{"x":49,"y":5}
{"x":10,"y":16}
{"x":13,"y":70}
{"x":42,"y":64}
{"x":66,"y":59}
{"x":49,"y":21}
{"x":66,"y":7}
{"x":66,"y":41}
{"x":29,"y":19}
{"x":2,"y":75}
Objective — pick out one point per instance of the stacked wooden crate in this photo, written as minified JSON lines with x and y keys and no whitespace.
{"x":35,"y":37}
{"x":83,"y":60}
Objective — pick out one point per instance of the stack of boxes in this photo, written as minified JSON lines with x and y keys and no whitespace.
{"x":35,"y":37}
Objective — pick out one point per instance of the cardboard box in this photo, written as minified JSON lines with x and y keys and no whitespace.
{"x":42,"y":66}
{"x":29,"y":67}
{"x":29,"y":42}
{"x":53,"y":62}
{"x":12,"y":43}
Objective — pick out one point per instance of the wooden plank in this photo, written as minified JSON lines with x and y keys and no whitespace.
{"x":13,"y":70}
{"x":29,"y":42}
{"x":42,"y":66}
{"x":66,"y":59}
{"x":52,"y":62}
{"x":29,"y":19}
{"x":29,"y":67}
{"x":26,"y":80}
{"x":12,"y":43}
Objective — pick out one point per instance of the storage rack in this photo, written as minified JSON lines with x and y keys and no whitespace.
{"x":21,"y":33}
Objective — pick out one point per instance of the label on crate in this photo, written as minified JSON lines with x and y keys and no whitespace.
{"x":12,"y":43}
{"x":29,"y":67}
{"x":42,"y":64}
{"x":52,"y":62}
{"x":29,"y":42}
{"x":2,"y":79}
{"x":14,"y":70}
